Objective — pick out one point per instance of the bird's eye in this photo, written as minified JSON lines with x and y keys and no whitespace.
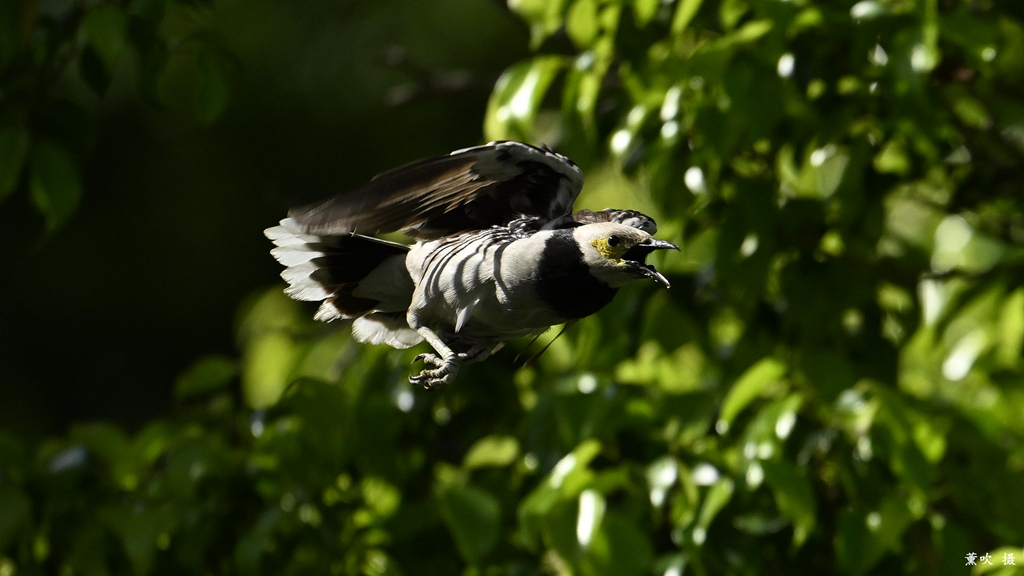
{"x":614,"y":241}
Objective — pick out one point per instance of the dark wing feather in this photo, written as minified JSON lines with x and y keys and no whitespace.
{"x":469,"y":189}
{"x":628,"y":217}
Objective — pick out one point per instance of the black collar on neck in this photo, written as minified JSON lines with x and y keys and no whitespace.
{"x":564,"y":281}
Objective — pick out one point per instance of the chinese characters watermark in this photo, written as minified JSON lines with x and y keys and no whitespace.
{"x":974,"y":560}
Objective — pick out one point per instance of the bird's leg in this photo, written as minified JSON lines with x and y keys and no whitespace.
{"x":446,"y":362}
{"x":478,"y":349}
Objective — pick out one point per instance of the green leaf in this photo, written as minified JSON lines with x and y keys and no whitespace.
{"x":717,"y":496}
{"x":473,"y":516}
{"x":591,"y":508}
{"x":746,"y":34}
{"x":268,"y":366}
{"x":868,"y":10}
{"x":140,"y":529}
{"x":13,"y":149}
{"x":250,"y":547}
{"x":15,"y":514}
{"x":496,"y":451}
{"x":662,"y":475}
{"x":1011,"y":330}
{"x":570,"y":476}
{"x":54,"y":184}
{"x":866,"y":534}
{"x":152,"y":10}
{"x":581,"y":23}
{"x":153,"y":58}
{"x":206,"y":375}
{"x":619,"y":547}
{"x":749,"y":386}
{"x":106,"y":29}
{"x":793,"y":496}
{"x":517,"y":96}
{"x":380,"y":496}
{"x":970,"y":110}
{"x":645,"y":11}
{"x":685,"y":12}
{"x":893,"y":158}
{"x":214,"y":92}
{"x":545,"y":17}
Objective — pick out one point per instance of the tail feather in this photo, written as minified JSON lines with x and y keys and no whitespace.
{"x":332,"y":268}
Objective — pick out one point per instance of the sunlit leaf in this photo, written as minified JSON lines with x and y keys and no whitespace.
{"x":517,"y":96}
{"x":619,"y":547}
{"x":749,"y":386}
{"x":1011,"y":330}
{"x":582,"y":23}
{"x":717,"y":496}
{"x":495,"y":451}
{"x":745,"y":34}
{"x":893,"y":158}
{"x":685,"y":11}
{"x":564,"y":483}
{"x":544,"y":17}
{"x":267,"y":367}
{"x":645,"y":10}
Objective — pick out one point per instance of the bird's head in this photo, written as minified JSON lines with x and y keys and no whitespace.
{"x":617,"y":253}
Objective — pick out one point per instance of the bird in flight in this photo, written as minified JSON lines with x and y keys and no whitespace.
{"x":498,"y":254}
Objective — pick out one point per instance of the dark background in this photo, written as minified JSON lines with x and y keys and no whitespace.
{"x":97,"y":320}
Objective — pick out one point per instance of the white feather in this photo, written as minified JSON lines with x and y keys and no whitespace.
{"x":384,"y":329}
{"x":307,"y":292}
{"x":294,"y":255}
{"x":465,"y":314}
{"x":326,"y":312}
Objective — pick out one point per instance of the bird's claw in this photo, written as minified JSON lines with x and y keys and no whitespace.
{"x":429,"y":358}
{"x":443,"y":374}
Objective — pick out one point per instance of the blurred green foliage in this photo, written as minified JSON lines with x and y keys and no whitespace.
{"x":43,"y":133}
{"x":833,"y":384}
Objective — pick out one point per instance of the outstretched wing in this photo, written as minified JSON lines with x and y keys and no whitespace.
{"x":469,"y":189}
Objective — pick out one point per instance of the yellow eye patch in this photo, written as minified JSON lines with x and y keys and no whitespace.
{"x":613,"y":250}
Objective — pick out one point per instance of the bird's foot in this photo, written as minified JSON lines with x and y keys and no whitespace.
{"x":476,"y":353}
{"x":444,"y":372}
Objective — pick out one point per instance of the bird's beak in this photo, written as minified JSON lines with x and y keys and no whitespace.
{"x":656,"y":244}
{"x":638,"y":254}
